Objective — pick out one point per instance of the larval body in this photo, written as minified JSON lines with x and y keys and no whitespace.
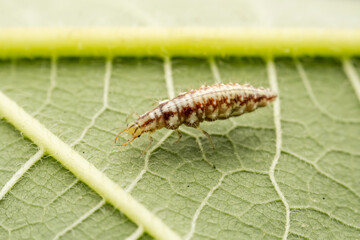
{"x":208,"y":103}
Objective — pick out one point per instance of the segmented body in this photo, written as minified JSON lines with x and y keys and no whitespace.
{"x":208,"y":103}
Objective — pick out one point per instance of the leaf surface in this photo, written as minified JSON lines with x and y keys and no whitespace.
{"x":317,"y":171}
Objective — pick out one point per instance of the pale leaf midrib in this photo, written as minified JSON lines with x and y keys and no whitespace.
{"x":76,"y":163}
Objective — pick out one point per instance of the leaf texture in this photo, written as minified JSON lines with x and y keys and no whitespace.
{"x":317,"y":170}
{"x":288,"y":171}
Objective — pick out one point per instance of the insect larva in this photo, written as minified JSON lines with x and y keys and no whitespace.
{"x":208,"y":103}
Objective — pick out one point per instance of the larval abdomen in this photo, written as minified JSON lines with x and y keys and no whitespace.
{"x":208,"y":103}
{"x":221,"y":101}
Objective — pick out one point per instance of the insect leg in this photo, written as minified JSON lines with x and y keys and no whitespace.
{"x":148,"y":146}
{"x":208,"y":136}
{"x":179,"y":134}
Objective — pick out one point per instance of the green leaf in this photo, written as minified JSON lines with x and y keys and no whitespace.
{"x":290,"y":170}
{"x":317,"y":171}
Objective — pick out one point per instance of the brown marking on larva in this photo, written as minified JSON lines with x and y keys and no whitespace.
{"x":208,"y":107}
{"x":271,"y":98}
{"x":147,"y":122}
{"x":160,"y":109}
{"x":177,"y":109}
{"x":156,"y":118}
{"x":186,"y":111}
{"x":198,"y":113}
{"x":214,"y":102}
{"x":218,"y":101}
{"x":225,"y":100}
{"x":137,"y":128}
{"x":168,"y":115}
{"x":260,"y":101}
{"x":240,"y":99}
{"x":250,"y":97}
{"x":145,"y":115}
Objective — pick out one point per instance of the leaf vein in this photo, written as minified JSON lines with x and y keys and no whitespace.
{"x":312,"y":96}
{"x":352,"y":75}
{"x":271,"y":69}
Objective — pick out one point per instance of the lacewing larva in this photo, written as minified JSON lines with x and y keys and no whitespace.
{"x":208,"y":103}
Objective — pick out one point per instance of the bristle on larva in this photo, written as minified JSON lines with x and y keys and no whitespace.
{"x":208,"y":103}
